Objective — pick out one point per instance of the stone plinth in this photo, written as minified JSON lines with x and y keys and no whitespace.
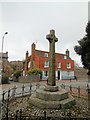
{"x":52,"y":100}
{"x":51,"y":88}
{"x":51,"y":96}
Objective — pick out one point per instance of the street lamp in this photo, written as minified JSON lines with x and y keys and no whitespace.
{"x":2,"y":69}
{"x":2,"y":49}
{"x":3,"y":40}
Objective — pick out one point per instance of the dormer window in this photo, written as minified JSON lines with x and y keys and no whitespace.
{"x":68,"y":65}
{"x":65,"y":57}
{"x":46,"y":55}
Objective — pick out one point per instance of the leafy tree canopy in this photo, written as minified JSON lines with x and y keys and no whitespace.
{"x":17,"y":73}
{"x":83,"y":48}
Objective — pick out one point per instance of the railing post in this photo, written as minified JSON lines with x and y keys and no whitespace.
{"x":62,"y":86}
{"x":20,"y":114}
{"x":79,"y":91}
{"x":44,"y":115}
{"x":23,"y":90}
{"x":8,"y":95}
{"x":30,"y":88}
{"x":37,"y":85}
{"x":3,"y":96}
{"x":13,"y":91}
{"x":70,"y":89}
{"x":7,"y":112}
{"x":16,"y":118}
{"x":69,"y":114}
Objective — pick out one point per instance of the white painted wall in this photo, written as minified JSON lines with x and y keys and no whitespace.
{"x":63,"y":75}
{"x":67,"y":75}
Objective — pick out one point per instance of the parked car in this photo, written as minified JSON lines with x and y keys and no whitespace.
{"x":10,"y":79}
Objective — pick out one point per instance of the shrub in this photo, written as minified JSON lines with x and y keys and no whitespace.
{"x":17,"y":74}
{"x":35,"y":71}
{"x":5,"y":80}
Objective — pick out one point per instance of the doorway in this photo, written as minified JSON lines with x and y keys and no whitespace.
{"x":58,"y":74}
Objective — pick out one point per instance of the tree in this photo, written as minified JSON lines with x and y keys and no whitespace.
{"x":83,"y":49}
{"x":9,"y":70}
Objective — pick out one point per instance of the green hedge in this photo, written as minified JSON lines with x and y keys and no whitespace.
{"x":35,"y":71}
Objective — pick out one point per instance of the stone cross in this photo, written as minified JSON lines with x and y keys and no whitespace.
{"x":52,"y":39}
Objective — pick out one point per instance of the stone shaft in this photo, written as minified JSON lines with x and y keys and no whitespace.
{"x":52,"y":39}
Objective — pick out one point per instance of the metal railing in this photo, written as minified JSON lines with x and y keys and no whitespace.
{"x":76,"y":91}
{"x":29,"y":89}
{"x":18,"y":92}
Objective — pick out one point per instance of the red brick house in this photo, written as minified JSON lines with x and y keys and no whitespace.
{"x":39,"y":59}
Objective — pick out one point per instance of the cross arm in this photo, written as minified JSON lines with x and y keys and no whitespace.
{"x":49,"y":37}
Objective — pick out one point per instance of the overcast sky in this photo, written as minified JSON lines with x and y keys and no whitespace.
{"x":28,"y":22}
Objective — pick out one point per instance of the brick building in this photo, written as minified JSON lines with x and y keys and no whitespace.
{"x":40,"y":59}
{"x":16,"y":65}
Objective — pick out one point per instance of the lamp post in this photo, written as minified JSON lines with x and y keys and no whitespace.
{"x":3,"y":40}
{"x":2,"y":69}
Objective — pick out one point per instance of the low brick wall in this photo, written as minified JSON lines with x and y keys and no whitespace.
{"x":29,"y":78}
{"x":81,"y":73}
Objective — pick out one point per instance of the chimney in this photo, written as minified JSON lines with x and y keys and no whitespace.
{"x":26,"y":63}
{"x":33,"y":46}
{"x":26,"y":55}
{"x":7,"y":53}
{"x":67,"y":52}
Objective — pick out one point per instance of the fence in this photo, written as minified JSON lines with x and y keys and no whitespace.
{"x":24,"y":90}
{"x":29,"y":89}
{"x":18,"y":92}
{"x":76,"y":91}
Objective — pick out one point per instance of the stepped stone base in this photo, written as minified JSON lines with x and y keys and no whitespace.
{"x":51,"y":88}
{"x":52,"y":100}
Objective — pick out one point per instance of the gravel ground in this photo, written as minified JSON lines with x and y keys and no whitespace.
{"x":79,"y":110}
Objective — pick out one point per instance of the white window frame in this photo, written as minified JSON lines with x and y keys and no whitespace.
{"x":59,"y":65}
{"x":46,"y":64}
{"x":69,"y":65}
{"x":29,"y":64}
{"x":45,"y":54}
{"x":65,"y":57}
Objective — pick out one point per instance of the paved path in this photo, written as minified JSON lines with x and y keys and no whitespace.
{"x":74,"y":83}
